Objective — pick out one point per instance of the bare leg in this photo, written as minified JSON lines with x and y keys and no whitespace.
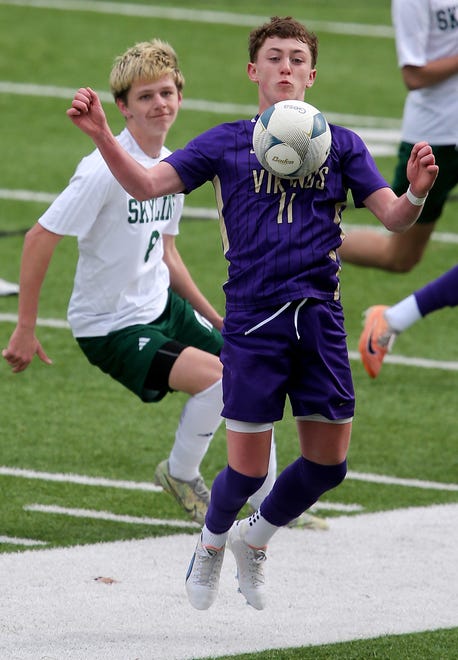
{"x":324,"y":443}
{"x":195,"y":370}
{"x":397,"y":253}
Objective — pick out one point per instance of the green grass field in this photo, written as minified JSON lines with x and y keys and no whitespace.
{"x":69,"y":418}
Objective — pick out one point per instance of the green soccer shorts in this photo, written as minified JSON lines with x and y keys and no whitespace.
{"x":126,"y":354}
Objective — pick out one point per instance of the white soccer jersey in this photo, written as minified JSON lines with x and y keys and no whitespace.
{"x":427,"y":30}
{"x":120,"y":279}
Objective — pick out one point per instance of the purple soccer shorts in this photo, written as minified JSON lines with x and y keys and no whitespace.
{"x":298,"y":350}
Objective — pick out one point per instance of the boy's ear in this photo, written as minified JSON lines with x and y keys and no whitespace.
{"x":312,"y":77}
{"x":123,"y":109}
{"x":252,"y":71}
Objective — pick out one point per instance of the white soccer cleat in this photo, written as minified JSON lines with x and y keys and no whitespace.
{"x":250,"y":566}
{"x":202,"y":578}
{"x":8,"y":288}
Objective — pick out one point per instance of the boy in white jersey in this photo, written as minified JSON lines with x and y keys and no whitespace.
{"x":427,"y":50}
{"x":134,"y":310}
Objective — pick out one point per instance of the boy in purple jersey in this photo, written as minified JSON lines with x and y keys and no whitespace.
{"x":383,"y":324}
{"x":284,"y":330}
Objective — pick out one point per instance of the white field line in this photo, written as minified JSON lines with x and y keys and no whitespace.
{"x":44,"y":323}
{"x":107,"y":515}
{"x":439,"y":237}
{"x":145,"y":486}
{"x":368,"y":124}
{"x":381,"y":134}
{"x":418,"y":362}
{"x":196,"y":16}
{"x":15,"y":540}
{"x":80,"y":479}
{"x":94,"y":514}
{"x":196,"y":212}
{"x":336,"y":506}
{"x":397,"y":481}
{"x":423,"y":363}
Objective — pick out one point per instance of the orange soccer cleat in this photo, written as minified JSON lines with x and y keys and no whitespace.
{"x":376,"y":339}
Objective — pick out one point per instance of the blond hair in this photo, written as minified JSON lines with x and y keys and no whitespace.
{"x":147,"y":60}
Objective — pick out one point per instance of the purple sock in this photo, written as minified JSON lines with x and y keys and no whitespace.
{"x":230,"y":491}
{"x":298,"y":487}
{"x":441,"y":292}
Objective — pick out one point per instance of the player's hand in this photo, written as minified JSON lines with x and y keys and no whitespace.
{"x":23,"y":345}
{"x":421,"y":169}
{"x":87,"y":113}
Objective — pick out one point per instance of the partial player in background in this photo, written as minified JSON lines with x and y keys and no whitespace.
{"x":284,"y":334}
{"x":383,"y":324}
{"x":427,"y":50}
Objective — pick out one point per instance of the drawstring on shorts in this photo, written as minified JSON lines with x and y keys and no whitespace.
{"x":277,"y":313}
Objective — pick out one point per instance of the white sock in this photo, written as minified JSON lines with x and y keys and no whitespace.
{"x":404,"y":314}
{"x":257,"y":497}
{"x":256,"y":531}
{"x":214,"y":540}
{"x":199,"y":421}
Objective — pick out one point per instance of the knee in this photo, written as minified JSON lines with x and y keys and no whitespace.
{"x":402,"y":258}
{"x":235,"y":485}
{"x":339,"y":473}
{"x":403,"y":263}
{"x":325,"y":477}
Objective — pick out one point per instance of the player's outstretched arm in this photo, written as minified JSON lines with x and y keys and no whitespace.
{"x":39,"y":246}
{"x":87,"y":113}
{"x":398,"y":214}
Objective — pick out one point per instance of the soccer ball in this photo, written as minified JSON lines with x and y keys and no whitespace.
{"x":291,"y":139}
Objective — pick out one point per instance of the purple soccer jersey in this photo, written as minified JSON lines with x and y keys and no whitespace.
{"x":280,"y":236}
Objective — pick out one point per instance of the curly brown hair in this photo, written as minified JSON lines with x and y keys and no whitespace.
{"x":285,"y":27}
